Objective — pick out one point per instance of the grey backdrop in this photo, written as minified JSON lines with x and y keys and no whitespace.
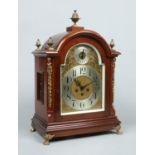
{"x":110,"y":18}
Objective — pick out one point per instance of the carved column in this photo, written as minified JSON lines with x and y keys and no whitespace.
{"x":113,"y":83}
{"x":49,"y":82}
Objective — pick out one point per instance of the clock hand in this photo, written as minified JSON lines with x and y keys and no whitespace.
{"x":77,"y":83}
{"x":87,"y":85}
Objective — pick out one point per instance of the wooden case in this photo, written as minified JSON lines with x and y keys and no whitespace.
{"x":47,"y":119}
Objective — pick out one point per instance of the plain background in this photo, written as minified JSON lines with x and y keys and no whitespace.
{"x":112,"y":19}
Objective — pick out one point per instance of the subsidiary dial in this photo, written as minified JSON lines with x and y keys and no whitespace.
{"x":82,"y":87}
{"x":82,"y":55}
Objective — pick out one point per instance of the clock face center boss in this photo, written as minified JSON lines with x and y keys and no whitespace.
{"x":74,"y":80}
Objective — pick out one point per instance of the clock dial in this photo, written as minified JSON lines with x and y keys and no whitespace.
{"x":82,"y":87}
{"x":82,"y":55}
{"x":82,"y":81}
{"x":81,"y":91}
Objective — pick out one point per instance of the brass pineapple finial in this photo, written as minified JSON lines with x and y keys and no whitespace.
{"x":75,"y":17}
{"x":112,"y":44}
{"x":38,"y":44}
{"x":50,"y":43}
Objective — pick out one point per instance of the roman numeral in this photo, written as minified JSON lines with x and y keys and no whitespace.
{"x":74,"y":72}
{"x":66,"y":88}
{"x":82,"y":105}
{"x":95,"y":95}
{"x":83,"y":70}
{"x":68,"y":96}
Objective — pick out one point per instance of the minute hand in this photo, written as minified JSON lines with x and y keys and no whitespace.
{"x":87,"y":85}
{"x":77,"y":83}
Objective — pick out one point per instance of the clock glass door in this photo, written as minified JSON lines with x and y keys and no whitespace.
{"x":82,"y":81}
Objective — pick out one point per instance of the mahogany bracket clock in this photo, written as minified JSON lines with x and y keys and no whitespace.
{"x":74,"y":83}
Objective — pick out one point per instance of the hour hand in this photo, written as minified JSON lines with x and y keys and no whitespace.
{"x":83,"y":87}
{"x":77,"y":82}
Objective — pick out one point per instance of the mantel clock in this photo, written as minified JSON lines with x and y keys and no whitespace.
{"x":74,"y":82}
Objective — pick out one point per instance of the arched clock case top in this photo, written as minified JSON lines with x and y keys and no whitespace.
{"x":48,"y":120}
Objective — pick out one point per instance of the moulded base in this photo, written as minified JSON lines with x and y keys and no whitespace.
{"x":72,"y":128}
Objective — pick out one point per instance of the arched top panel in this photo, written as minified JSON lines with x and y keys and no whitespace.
{"x":84,"y":33}
{"x":82,"y":52}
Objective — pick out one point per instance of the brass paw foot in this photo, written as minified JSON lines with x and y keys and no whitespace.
{"x":117,"y":129}
{"x":47,"y":138}
{"x":33,"y":129}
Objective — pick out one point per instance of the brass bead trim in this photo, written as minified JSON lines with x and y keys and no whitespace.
{"x":113,"y":78}
{"x":49,"y":81}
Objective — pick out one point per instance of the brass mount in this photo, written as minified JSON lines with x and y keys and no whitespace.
{"x":33,"y":129}
{"x":117,"y":129}
{"x":38,"y":44}
{"x":112,"y":43}
{"x":75,"y":17}
{"x":47,"y":138}
{"x":50,"y":43}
